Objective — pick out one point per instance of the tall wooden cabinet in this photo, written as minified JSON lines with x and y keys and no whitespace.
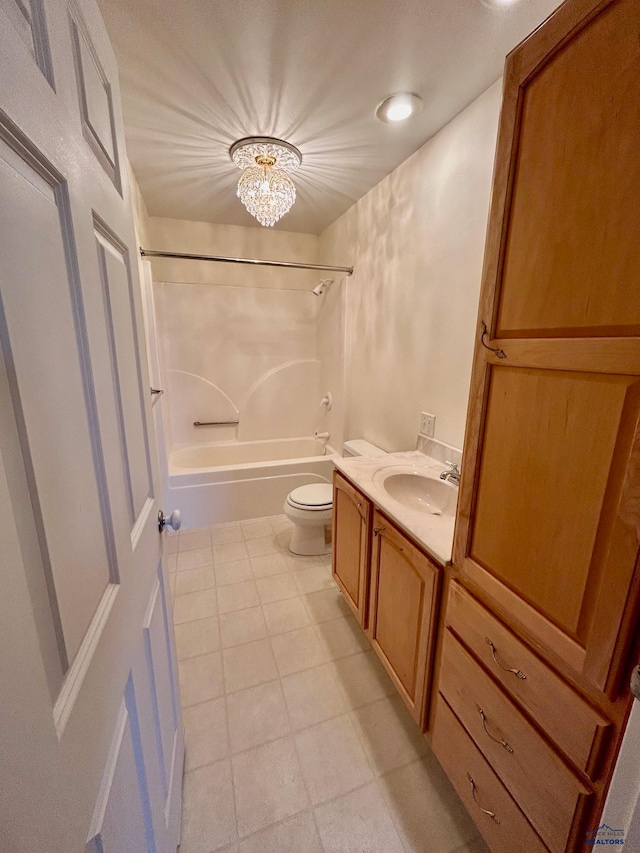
{"x":548,"y":529}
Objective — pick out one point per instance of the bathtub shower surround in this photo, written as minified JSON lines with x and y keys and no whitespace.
{"x":245,"y":354}
{"x":238,"y":344}
{"x":238,"y":353}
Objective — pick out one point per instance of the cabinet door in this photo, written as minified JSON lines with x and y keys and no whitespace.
{"x":351,"y":525}
{"x":549,"y":514}
{"x":402,"y":612}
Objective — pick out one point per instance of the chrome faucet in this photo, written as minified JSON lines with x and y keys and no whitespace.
{"x":452,"y":474}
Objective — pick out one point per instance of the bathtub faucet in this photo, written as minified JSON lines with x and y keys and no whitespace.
{"x":324,"y":436}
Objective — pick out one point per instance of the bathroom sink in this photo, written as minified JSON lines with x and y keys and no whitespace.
{"x":418,"y":491}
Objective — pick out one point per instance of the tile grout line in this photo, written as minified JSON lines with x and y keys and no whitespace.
{"x":306,"y":787}
{"x":228,"y":731}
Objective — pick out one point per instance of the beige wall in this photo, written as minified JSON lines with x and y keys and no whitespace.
{"x":416,"y":242}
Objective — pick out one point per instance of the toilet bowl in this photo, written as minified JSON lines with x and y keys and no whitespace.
{"x":310,"y":509}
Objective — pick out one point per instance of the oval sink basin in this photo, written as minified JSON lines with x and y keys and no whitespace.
{"x":417,"y":491}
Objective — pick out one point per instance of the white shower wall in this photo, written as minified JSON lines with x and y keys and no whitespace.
{"x":236,"y":342}
{"x":242,"y":353}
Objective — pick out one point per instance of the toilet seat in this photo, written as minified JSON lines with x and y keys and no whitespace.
{"x":313,"y":498}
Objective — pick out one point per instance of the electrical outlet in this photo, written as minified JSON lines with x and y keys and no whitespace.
{"x":427,"y":424}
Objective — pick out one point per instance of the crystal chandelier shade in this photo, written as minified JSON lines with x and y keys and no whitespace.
{"x":267,"y":193}
{"x":265,"y":188}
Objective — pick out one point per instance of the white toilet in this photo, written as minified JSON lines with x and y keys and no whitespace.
{"x":310,"y":507}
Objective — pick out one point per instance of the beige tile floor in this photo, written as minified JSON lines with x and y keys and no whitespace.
{"x":296,"y":739}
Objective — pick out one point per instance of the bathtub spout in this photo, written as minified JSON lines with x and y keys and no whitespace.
{"x":324,"y":436}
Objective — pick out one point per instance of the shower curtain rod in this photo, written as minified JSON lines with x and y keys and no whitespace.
{"x":150,"y":253}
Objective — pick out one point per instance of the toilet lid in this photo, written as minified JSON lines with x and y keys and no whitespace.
{"x":315,"y":496}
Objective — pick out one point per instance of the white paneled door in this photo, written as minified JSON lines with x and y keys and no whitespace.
{"x":91,"y":747}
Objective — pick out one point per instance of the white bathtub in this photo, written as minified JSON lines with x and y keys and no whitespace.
{"x":232,"y":481}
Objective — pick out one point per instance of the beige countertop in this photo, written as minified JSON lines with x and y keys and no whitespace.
{"x":433,"y":532}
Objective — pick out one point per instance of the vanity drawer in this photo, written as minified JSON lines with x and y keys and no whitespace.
{"x":508,"y":831}
{"x":579,"y":730}
{"x":546,"y":790}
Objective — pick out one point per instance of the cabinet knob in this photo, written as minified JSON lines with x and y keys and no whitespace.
{"x":377,"y":530}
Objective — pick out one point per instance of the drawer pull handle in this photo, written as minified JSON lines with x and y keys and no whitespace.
{"x":360,"y":513}
{"x":502,"y":743}
{"x":517,"y":672}
{"x":377,"y":530}
{"x":491,"y":814}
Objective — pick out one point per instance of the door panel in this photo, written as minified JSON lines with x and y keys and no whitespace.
{"x":348,"y":546}
{"x":162,"y":684}
{"x":402,"y":612}
{"x":557,"y":444}
{"x":400,"y":600}
{"x":94,"y":93}
{"x":91,"y":736}
{"x":351,"y":529}
{"x":123,"y":816}
{"x":59,"y":436}
{"x":127,"y":380}
{"x":564,"y":270}
{"x":27,"y":18}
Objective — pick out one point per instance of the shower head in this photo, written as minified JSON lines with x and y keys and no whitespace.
{"x":325,"y":284}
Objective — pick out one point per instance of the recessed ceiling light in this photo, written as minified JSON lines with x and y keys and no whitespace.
{"x":399,"y":107}
{"x":499,"y":4}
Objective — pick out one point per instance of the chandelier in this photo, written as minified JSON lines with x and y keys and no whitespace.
{"x":265,"y":188}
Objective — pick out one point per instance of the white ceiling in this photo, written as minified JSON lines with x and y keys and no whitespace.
{"x":198,"y":74}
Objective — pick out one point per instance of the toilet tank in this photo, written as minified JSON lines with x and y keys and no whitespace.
{"x":360,"y":447}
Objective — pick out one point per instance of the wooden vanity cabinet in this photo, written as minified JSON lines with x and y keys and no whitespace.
{"x":402,"y":612}
{"x":393,"y":589}
{"x":352,"y":514}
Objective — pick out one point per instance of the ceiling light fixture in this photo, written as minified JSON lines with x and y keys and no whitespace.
{"x":498,"y":4}
{"x":399,"y":107}
{"x":265,"y":188}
